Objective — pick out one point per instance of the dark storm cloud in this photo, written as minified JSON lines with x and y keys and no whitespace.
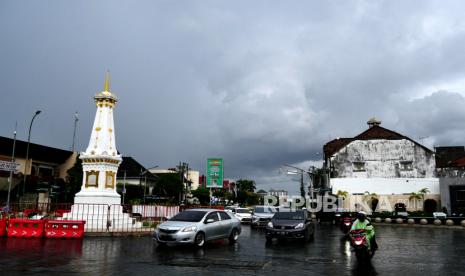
{"x":258,"y":83}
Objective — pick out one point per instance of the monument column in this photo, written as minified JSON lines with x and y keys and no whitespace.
{"x":98,"y":203}
{"x":101,"y":160}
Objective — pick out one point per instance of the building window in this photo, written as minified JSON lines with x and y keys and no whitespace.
{"x":110,"y":180}
{"x":92,"y":179}
{"x":358,"y":166}
{"x":406,"y":165}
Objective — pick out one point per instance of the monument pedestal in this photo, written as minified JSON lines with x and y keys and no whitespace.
{"x":102,"y":212}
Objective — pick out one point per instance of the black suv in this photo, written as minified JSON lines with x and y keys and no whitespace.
{"x":291,"y":225}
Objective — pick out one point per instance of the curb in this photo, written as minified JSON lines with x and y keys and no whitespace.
{"x":455,"y":227}
{"x":118,"y":234}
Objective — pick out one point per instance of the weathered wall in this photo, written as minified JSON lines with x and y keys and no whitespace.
{"x":385,"y":186}
{"x":383,"y":158}
{"x":387,"y":202}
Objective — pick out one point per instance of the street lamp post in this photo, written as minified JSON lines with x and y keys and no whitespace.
{"x":27,"y":149}
{"x":310,"y":175}
{"x":12,"y":169}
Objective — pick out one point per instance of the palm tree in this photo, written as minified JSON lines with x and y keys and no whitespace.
{"x":369,"y":196}
{"x":415,"y":197}
{"x":343,"y":194}
{"x":423,"y":192}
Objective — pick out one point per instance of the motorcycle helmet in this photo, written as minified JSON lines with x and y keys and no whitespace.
{"x":361,"y":216}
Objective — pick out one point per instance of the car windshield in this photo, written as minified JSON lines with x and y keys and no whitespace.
{"x":299,"y":215}
{"x":191,"y":216}
{"x":242,"y":211}
{"x":267,"y":209}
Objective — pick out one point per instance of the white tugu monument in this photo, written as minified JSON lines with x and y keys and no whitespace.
{"x":98,"y":203}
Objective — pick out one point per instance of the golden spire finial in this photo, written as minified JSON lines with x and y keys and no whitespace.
{"x":107,"y":82}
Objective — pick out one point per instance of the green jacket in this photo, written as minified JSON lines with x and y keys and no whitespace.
{"x":370,"y":230}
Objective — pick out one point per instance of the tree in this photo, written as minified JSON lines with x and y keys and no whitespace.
{"x":228,"y":196}
{"x":423,"y":193}
{"x":343,"y":194}
{"x":245,"y":185}
{"x":252,"y":198}
{"x":73,"y":180}
{"x":418,"y":196}
{"x":415,"y":197}
{"x":219,"y":193}
{"x":168,"y":185}
{"x":202,"y":194}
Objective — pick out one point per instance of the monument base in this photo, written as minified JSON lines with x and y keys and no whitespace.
{"x":102,"y":212}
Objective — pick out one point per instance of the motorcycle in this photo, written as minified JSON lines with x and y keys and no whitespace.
{"x":359,"y":243}
{"x":346,"y":224}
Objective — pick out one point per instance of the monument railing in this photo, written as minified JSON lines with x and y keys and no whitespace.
{"x":100,"y":218}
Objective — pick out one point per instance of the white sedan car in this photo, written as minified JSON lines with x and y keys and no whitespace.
{"x":244,"y":215}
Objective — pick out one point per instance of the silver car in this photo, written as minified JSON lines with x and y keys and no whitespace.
{"x":262,"y":215}
{"x":195,"y":226}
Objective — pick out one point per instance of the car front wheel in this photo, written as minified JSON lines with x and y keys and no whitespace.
{"x":199,"y":240}
{"x":234,"y":236}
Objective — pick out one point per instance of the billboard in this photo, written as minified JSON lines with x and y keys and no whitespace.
{"x":214,"y":173}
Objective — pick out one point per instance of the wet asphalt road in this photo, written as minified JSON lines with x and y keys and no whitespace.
{"x":403,"y":251}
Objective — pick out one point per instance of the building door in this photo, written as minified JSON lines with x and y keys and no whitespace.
{"x":457,"y":199}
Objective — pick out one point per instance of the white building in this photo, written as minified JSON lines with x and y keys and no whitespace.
{"x":278,"y":193}
{"x":383,"y":162}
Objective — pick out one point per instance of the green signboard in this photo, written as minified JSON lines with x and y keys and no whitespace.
{"x":214,"y":173}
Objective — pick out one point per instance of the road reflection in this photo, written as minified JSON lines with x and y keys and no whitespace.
{"x":412,"y":251}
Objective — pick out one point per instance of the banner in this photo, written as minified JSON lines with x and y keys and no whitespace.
{"x":214,"y":173}
{"x":8,"y":166}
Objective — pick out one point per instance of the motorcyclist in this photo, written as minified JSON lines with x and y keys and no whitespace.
{"x":362,"y":222}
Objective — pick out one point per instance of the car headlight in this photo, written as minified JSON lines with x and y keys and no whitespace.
{"x":299,"y":226}
{"x":270,"y":224}
{"x":189,"y":229}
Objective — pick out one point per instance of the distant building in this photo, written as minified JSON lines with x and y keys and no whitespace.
{"x":383,"y":162}
{"x":262,"y":193}
{"x":450,"y":166}
{"x":278,"y":193}
{"x":44,"y":165}
{"x":134,"y":174}
{"x":229,"y":185}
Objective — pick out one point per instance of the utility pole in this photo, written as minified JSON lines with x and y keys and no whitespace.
{"x":145,"y":184}
{"x":13,"y":168}
{"x":124,"y":186}
{"x":76,"y":119}
{"x":302,"y":187}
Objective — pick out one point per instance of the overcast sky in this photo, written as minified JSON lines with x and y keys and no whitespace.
{"x":259,"y":83}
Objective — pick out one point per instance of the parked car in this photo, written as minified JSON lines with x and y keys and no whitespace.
{"x":195,"y":226}
{"x":291,"y":225}
{"x":230,"y":208}
{"x":261,"y":215}
{"x":244,"y":215}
